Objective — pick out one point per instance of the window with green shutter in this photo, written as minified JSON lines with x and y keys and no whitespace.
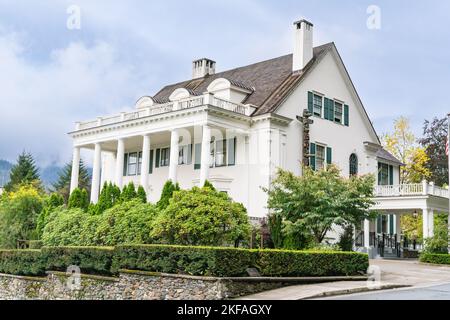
{"x":198,"y":156}
{"x":125,"y":164}
{"x":346,"y":115}
{"x":329,"y":155}
{"x":151,"y":162}
{"x":391,"y":224}
{"x":158,"y":156}
{"x":310,"y":102}
{"x":312,"y":158}
{"x":391,"y":175}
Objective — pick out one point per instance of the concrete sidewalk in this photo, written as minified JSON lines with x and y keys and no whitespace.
{"x":394,"y":274}
{"x":310,"y":291}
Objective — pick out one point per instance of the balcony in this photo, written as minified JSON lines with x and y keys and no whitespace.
{"x":193,"y":102}
{"x":405,"y":190}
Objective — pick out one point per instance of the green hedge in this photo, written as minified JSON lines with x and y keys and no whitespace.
{"x":91,"y":260}
{"x":199,"y":261}
{"x":435,"y":258}
{"x":285,"y":263}
{"x":22,"y":262}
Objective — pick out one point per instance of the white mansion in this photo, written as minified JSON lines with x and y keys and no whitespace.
{"x":236,"y":127}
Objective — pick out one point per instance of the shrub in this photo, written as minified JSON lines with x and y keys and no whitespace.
{"x":166,"y":194}
{"x":79,"y":199}
{"x":435,"y":258}
{"x":127,"y":223}
{"x":209,"y":185}
{"x":19,"y":211}
{"x":278,"y":263}
{"x":91,"y":260}
{"x":22,"y":262}
{"x":128,"y":193}
{"x":35,"y":244}
{"x":51,"y":203}
{"x":439,"y":242}
{"x":141,"y":194}
{"x":198,"y":261}
{"x":202,"y":217}
{"x":108,"y":198}
{"x":346,"y":239}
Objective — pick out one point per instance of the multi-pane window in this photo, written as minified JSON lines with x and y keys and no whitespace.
{"x":132,"y":163}
{"x":383,"y":174}
{"x":184,"y":155}
{"x":317,"y":105}
{"x":165,"y":157}
{"x":139,"y":163}
{"x":338,"y":112}
{"x":221,"y":153}
{"x":353,"y":165}
{"x":320,"y":157}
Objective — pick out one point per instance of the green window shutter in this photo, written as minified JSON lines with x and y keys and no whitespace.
{"x":329,"y":155}
{"x":231,"y":152}
{"x":391,"y":175}
{"x":331,"y":110}
{"x":198,"y":156}
{"x":379,"y":224}
{"x":325,"y":108}
{"x":151,"y":162}
{"x":310,"y":101}
{"x":158,"y":156}
{"x":125,"y":164}
{"x":312,"y":158}
{"x":391,"y":224}
{"x":346,"y":115}
{"x":189,"y":150}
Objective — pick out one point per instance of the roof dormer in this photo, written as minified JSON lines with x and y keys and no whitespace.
{"x":229,"y":90}
{"x":179,"y":94}
{"x":145,"y":102}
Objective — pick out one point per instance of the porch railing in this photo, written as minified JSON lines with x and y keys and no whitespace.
{"x":193,"y":102}
{"x":416,"y":189}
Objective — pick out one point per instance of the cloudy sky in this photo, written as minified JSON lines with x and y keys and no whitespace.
{"x":52,"y":76}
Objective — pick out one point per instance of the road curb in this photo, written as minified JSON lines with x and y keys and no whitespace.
{"x":355,"y":290}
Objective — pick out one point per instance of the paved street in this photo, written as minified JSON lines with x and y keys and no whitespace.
{"x":440,"y":292}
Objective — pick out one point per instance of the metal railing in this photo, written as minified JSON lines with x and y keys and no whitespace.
{"x":158,"y":109}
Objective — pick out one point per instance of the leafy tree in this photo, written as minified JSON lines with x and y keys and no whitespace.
{"x":166,"y":194}
{"x":403,"y":145}
{"x":317,"y":200}
{"x":202,"y":216}
{"x":128,"y":193}
{"x":24,"y":172}
{"x":346,"y":239}
{"x":434,"y":138}
{"x":109,"y":197}
{"x":52,"y":202}
{"x":62,"y":185}
{"x":412,"y":226}
{"x":276,"y":230}
{"x":439,"y":242}
{"x":79,"y":199}
{"x":18,"y":216}
{"x":141,"y":194}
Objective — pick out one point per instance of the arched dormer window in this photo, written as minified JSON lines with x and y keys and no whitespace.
{"x":145,"y":102}
{"x":229,"y":90}
{"x":353,"y":162}
{"x":179,"y":94}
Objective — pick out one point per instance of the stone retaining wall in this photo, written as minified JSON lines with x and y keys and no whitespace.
{"x":136,"y":285}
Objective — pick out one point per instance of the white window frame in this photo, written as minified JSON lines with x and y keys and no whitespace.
{"x":324,"y":160}
{"x":164,"y":161}
{"x":341,"y":104}
{"x":316,"y":95}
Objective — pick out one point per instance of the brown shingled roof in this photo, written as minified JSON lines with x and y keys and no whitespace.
{"x":269,"y":80}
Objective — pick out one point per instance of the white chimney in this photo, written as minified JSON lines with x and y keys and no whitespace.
{"x":303,"y":44}
{"x":203,"y":67}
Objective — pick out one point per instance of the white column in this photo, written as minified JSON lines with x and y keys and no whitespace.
{"x":120,"y":162}
{"x":174,"y":153}
{"x":426,"y":221}
{"x":95,"y":187}
{"x":206,"y":150}
{"x":398,"y":225}
{"x":430,"y":223}
{"x":75,"y":169}
{"x":145,"y":169}
{"x":367,"y":233}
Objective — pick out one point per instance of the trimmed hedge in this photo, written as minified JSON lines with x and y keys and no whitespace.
{"x":435,"y":258}
{"x":22,"y":262}
{"x":91,"y":260}
{"x":285,"y":263}
{"x":198,"y":261}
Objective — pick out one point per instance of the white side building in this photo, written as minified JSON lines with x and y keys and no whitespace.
{"x":236,"y":127}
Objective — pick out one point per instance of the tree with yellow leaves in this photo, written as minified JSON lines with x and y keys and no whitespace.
{"x":402,"y":143}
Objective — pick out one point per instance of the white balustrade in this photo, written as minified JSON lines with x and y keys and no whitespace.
{"x":204,"y":100}
{"x":416,"y":189}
